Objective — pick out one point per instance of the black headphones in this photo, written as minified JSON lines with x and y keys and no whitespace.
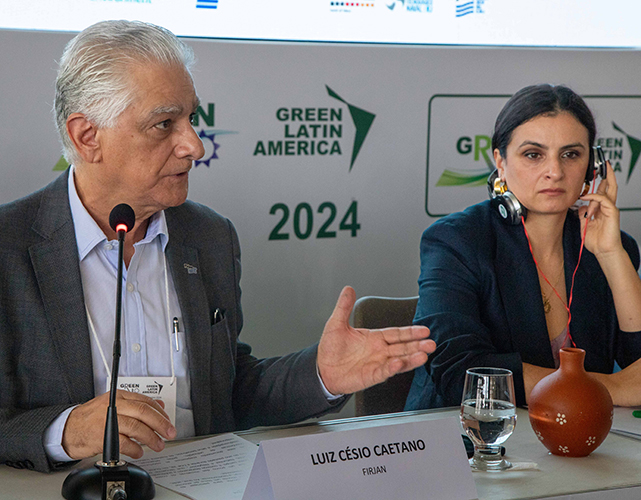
{"x":509,"y":207}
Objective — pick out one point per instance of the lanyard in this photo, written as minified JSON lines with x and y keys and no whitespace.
{"x":169,"y":331}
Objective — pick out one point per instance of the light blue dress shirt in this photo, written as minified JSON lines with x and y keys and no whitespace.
{"x":147,"y":343}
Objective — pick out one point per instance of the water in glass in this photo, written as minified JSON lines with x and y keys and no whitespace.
{"x":488,"y":415}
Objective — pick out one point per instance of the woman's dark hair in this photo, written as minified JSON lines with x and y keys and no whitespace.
{"x":536,"y":100}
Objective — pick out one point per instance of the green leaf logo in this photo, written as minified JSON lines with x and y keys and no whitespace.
{"x":635,"y":149}
{"x":362,"y":121}
{"x":453,"y":178}
{"x":470,"y":178}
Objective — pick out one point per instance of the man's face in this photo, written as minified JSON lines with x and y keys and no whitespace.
{"x":147,"y":155}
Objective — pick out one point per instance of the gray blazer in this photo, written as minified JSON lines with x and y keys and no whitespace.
{"x":45,"y":352}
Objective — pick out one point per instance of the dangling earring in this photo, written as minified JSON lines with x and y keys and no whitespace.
{"x":586,"y":188}
{"x":500,"y":187}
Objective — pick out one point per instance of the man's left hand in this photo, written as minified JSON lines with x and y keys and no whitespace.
{"x":351,"y":359}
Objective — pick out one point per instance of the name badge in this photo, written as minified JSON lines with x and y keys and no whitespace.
{"x":424,"y":459}
{"x":154,"y":387}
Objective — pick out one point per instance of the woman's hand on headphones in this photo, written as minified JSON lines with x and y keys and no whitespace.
{"x":603,"y":235}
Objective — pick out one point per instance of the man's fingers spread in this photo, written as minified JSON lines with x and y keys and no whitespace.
{"x":404,"y":334}
{"x":409,"y":348}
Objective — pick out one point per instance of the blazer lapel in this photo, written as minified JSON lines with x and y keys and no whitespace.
{"x":192,"y":297}
{"x":518,"y":283}
{"x":57,"y":269}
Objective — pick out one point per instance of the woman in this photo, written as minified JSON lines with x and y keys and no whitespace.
{"x":489,"y":296}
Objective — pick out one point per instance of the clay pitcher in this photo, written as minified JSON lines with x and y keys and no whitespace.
{"x":570,"y":411}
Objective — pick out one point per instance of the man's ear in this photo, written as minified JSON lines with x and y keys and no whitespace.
{"x":84,"y":136}
{"x":500,"y":164}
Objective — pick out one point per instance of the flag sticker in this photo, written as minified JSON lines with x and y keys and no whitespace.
{"x":206,"y":4}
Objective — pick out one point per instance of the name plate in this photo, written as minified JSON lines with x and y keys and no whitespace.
{"x":415,"y":460}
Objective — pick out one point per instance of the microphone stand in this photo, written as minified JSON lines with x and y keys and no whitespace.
{"x":111,"y":443}
{"x":111,"y":478}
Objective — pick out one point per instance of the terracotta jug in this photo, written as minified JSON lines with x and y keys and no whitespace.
{"x":570,"y":411}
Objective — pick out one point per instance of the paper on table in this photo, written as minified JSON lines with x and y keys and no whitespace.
{"x":216,"y":467}
{"x":625,"y":423}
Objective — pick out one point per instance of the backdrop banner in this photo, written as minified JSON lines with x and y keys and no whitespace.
{"x":332,"y":159}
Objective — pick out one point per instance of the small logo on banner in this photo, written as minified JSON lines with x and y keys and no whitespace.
{"x":208,"y":134}
{"x":317,"y":131}
{"x":362,"y":121}
{"x":410,"y":6}
{"x":478,"y":146}
{"x":211,"y":137}
{"x":206,"y":4}
{"x":613,"y":147}
{"x":349,"y":6}
{"x":459,"y":150}
{"x":467,"y":7}
{"x":392,"y":5}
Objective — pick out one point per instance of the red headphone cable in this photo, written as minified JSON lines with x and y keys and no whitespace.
{"x":569,"y":304}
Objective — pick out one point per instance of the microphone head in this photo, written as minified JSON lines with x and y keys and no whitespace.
{"x":122,"y":215}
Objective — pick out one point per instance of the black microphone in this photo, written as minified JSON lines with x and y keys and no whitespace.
{"x":123,"y":215}
{"x":111,"y":478}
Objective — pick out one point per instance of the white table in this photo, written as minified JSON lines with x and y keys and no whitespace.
{"x":612,"y":471}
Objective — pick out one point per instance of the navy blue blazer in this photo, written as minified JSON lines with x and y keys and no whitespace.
{"x":480,"y":296}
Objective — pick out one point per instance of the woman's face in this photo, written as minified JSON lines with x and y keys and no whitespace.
{"x":545,"y":163}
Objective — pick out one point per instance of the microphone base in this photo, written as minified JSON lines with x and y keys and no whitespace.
{"x":105,"y":482}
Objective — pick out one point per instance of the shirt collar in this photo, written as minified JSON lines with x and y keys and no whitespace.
{"x":89,"y":234}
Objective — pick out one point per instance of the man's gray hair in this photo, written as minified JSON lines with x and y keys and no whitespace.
{"x":93,"y":73}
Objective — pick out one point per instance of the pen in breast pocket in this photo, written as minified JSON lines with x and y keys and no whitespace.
{"x":176,"y":330}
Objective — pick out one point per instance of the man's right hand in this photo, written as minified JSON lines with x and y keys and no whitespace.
{"x":140,"y":418}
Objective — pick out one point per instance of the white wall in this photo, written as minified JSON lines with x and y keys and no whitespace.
{"x":290,"y":286}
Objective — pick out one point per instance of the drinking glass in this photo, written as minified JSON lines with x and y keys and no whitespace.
{"x":488,"y":415}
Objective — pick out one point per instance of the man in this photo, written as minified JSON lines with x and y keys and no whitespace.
{"x":124,"y":103}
